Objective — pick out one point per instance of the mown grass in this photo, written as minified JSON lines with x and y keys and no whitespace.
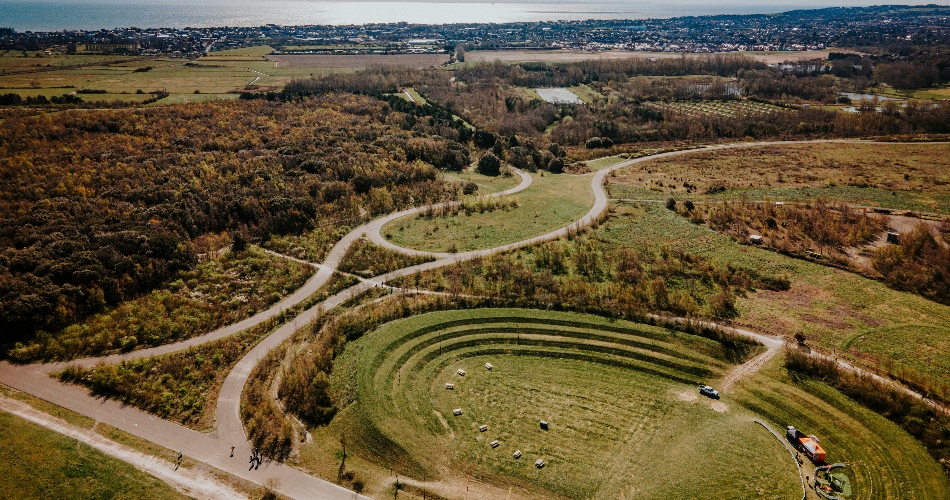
{"x":215,"y":293}
{"x":904,"y":176}
{"x":858,"y":318}
{"x":602,"y":163}
{"x":587,"y":94}
{"x":129,"y":440}
{"x":43,"y":464}
{"x":604,"y":433}
{"x":553,"y":201}
{"x":886,"y":461}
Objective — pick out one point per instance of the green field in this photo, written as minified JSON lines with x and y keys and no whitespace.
{"x":44,"y":464}
{"x":885,"y":462}
{"x":625,"y":419}
{"x":551,"y":202}
{"x":602,"y":163}
{"x":859,"y":318}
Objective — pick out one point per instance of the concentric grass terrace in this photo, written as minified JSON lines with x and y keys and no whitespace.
{"x":625,"y":417}
{"x":620,"y":398}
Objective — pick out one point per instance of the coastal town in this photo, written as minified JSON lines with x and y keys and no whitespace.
{"x":789,"y":31}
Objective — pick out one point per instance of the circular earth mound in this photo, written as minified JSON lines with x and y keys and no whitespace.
{"x":621,"y":401}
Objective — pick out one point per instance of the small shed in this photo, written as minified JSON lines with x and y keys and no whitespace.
{"x":755,"y":239}
{"x":893,"y":237}
{"x":539,"y":463}
{"x":516,"y":454}
{"x":457,"y":412}
{"x":460,"y":372}
{"x":544,"y":425}
{"x":494,"y":444}
{"x":450,"y":387}
{"x":488,"y":366}
{"x":482,"y":428}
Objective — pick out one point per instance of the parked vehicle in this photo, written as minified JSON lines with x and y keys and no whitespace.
{"x":806,"y":444}
{"x":709,"y":392}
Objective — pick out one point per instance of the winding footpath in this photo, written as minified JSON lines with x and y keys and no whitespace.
{"x":214,"y":448}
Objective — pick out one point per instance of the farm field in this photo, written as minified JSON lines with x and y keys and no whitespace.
{"x":552,"y":201}
{"x":584,"y":374}
{"x":48,"y":465}
{"x":731,"y":109}
{"x":214,"y":76}
{"x":902,"y":176}
{"x":361,"y":61}
{"x":858,"y":318}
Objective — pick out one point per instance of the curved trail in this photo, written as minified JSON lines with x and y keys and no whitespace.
{"x":214,"y":448}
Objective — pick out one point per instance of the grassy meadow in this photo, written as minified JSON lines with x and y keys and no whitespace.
{"x":858,"y":318}
{"x":903,"y":176}
{"x":551,"y":202}
{"x":216,"y":76}
{"x":44,"y":464}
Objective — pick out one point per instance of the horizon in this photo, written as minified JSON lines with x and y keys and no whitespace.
{"x":91,"y":15}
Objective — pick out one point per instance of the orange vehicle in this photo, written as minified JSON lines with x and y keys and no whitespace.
{"x":807,"y":444}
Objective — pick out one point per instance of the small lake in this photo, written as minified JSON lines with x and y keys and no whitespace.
{"x":559,"y":95}
{"x":857,"y":97}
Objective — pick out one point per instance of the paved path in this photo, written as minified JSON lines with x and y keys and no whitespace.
{"x":214,"y":448}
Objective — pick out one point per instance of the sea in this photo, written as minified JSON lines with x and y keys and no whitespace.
{"x":57,"y":15}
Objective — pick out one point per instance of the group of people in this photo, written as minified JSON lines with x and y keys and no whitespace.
{"x":256,"y":460}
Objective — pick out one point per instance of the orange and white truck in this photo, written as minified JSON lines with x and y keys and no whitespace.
{"x":807,"y":444}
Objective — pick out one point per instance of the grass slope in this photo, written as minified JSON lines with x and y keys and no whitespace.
{"x":619,"y":396}
{"x":886,"y":461}
{"x":551,"y":202}
{"x":43,"y":464}
{"x":859,"y":318}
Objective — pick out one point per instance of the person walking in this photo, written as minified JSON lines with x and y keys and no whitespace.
{"x":232,"y":452}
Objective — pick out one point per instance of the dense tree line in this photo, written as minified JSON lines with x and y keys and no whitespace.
{"x":919,"y":264}
{"x":492,"y":98}
{"x":101,"y":206}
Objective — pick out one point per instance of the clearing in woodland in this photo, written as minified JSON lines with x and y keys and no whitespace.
{"x":551,"y":202}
